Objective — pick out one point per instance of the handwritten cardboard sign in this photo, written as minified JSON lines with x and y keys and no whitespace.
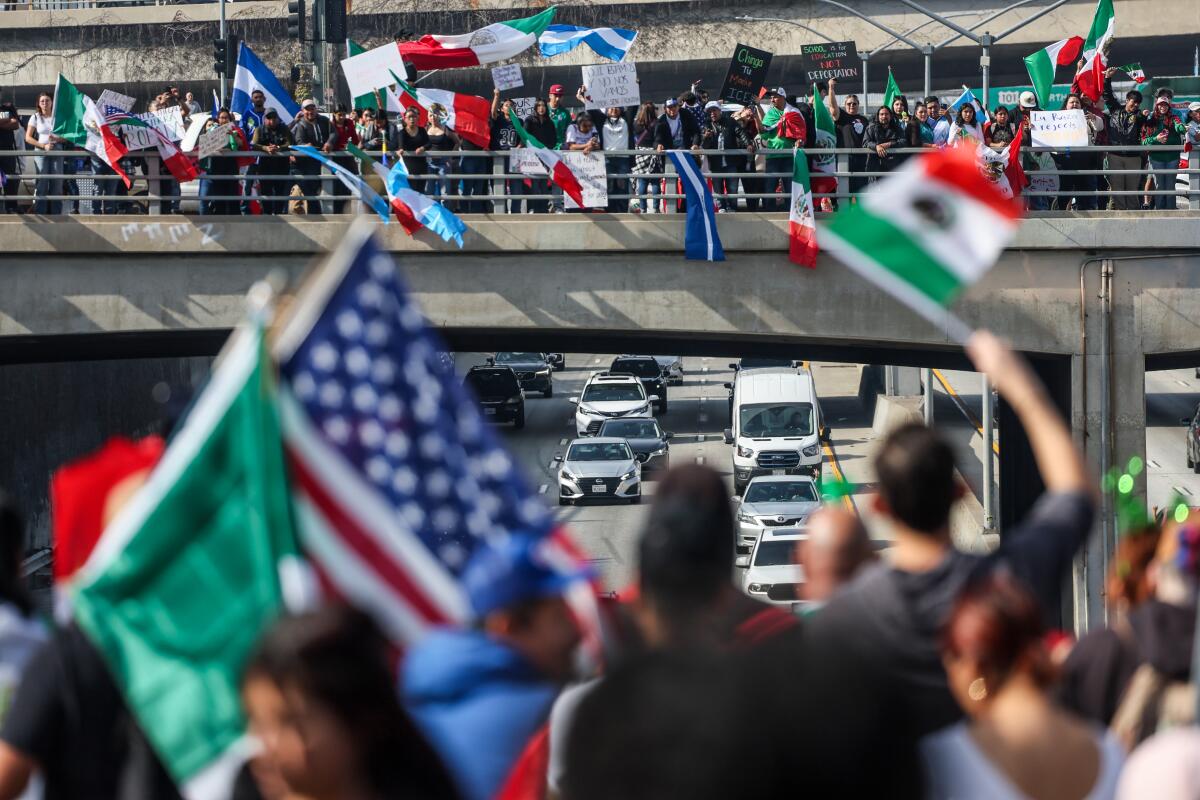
{"x":110,"y":99}
{"x":826,"y":60}
{"x":168,"y":121}
{"x":523,"y":106}
{"x":213,"y":141}
{"x":507,"y":77}
{"x":611,"y":85}
{"x":593,"y":179}
{"x":746,"y":75}
{"x":1058,"y":129}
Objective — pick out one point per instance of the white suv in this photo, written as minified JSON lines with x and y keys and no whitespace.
{"x":608,"y":396}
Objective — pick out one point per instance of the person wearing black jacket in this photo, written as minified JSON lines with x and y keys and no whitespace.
{"x":540,"y":126}
{"x":1124,"y":127}
{"x":312,"y":129}
{"x":882,"y":135}
{"x":721,"y":132}
{"x":675,"y":131}
{"x":271,"y":138}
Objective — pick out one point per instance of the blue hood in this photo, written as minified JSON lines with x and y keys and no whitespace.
{"x":478,"y":701}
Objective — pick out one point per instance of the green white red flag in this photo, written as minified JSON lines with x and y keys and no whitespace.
{"x":824,"y":164}
{"x":926,"y":232}
{"x":802,"y":222}
{"x":498,"y":42}
{"x":467,"y":115}
{"x":560,"y":173}
{"x":1042,"y":65}
{"x":1134,"y":71}
{"x":190,"y":573}
{"x":369,"y":100}
{"x":77,"y":120}
{"x":180,"y":166}
{"x":1089,"y":80}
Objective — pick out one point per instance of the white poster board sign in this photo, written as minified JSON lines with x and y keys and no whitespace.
{"x":507,"y":77}
{"x":1058,"y":129}
{"x":213,"y":141}
{"x":593,"y":179}
{"x":524,"y":161}
{"x":169,"y":122}
{"x":1044,"y":183}
{"x":523,"y":107}
{"x":373,"y":69}
{"x":611,"y":85}
{"x":110,"y":99}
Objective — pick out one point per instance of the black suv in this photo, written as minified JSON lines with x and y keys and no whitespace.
{"x":533,"y":370}
{"x":498,"y":393}
{"x":647,"y":371}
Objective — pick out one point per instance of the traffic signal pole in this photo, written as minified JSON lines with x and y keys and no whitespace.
{"x":223,"y":37}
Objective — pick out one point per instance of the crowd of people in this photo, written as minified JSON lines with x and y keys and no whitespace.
{"x":750,"y":171}
{"x":922,"y":672}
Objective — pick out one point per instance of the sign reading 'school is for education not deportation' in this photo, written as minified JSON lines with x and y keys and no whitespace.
{"x":826,"y":60}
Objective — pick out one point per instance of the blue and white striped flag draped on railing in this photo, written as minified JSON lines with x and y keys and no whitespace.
{"x":610,"y":43}
{"x":701,"y":241}
{"x":357,"y":186}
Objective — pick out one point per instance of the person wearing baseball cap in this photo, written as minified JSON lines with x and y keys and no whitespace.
{"x":480,"y":693}
{"x":722,"y":132}
{"x":782,"y":129}
{"x":1163,"y":128}
{"x":558,"y":114}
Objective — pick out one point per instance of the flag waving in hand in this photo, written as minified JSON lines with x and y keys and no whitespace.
{"x":1043,"y":64}
{"x":926,"y":232}
{"x":1089,"y":80}
{"x":560,"y":173}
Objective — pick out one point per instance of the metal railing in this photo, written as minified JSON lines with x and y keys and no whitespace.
{"x":442,"y":175}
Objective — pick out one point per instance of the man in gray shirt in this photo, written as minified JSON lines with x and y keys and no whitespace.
{"x":892,"y":614}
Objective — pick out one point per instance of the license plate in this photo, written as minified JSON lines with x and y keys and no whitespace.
{"x":489,"y":412}
{"x":598,"y":489}
{"x":779,"y":472}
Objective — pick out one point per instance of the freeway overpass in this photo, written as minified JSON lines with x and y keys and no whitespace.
{"x":1094,"y":299}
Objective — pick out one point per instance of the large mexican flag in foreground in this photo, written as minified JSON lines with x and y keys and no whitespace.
{"x":185,"y":579}
{"x":926,"y":232}
{"x":77,"y":120}
{"x":498,"y":42}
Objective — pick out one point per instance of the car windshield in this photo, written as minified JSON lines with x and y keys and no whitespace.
{"x":776,"y":419}
{"x":641,"y":367}
{"x":776,"y":553}
{"x":517,"y":358}
{"x":613,"y":393}
{"x":781,"y":492}
{"x":490,"y":383}
{"x":630,"y":428}
{"x":599,"y":451}
{"x":762,"y":363}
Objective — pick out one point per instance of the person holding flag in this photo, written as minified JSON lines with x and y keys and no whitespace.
{"x":721,"y":132}
{"x":783,"y":129}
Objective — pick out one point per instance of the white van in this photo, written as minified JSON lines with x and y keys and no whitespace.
{"x":777,"y":426}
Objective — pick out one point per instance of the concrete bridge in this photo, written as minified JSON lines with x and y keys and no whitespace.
{"x":1094,"y":299}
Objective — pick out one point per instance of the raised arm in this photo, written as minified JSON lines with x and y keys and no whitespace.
{"x":831,"y":100}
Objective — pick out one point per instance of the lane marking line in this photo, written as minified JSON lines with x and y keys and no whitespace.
{"x":1184,"y":384}
{"x":836,"y":466}
{"x":562,"y":442}
{"x":966,"y":412}
{"x":1154,"y":463}
{"x":1182,"y":490}
{"x":550,"y":466}
{"x":700,"y":460}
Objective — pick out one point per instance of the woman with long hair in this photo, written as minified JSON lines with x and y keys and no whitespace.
{"x":1016,"y":742}
{"x":966,"y":130}
{"x":648,"y":163}
{"x":39,"y":135}
{"x":883,"y":135}
{"x":441,"y":139}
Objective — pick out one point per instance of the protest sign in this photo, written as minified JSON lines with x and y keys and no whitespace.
{"x":524,"y":161}
{"x":523,"y":106}
{"x":110,"y":99}
{"x":507,"y":77}
{"x":372,"y":70}
{"x":593,"y":179}
{"x":747,"y":72}
{"x":213,"y":141}
{"x":1059,"y":129}
{"x":168,"y":121}
{"x":609,"y":85}
{"x":821,"y":62}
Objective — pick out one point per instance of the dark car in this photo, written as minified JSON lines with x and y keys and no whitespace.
{"x":647,"y":371}
{"x":557,"y":360}
{"x":533,"y":371}
{"x":498,"y":393}
{"x":647,"y":441}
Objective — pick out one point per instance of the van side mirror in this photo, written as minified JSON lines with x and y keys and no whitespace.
{"x":573,"y":400}
{"x":728,"y":386}
{"x":729,"y":436}
{"x":742,"y":561}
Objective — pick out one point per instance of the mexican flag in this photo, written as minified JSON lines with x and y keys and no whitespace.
{"x":892,"y":91}
{"x":802,"y":222}
{"x":1134,"y":71}
{"x":825,"y":164}
{"x":399,"y":102}
{"x":179,"y":165}
{"x":467,"y":115}
{"x":497,"y":42}
{"x":1042,"y":65}
{"x":368,"y":100}
{"x":1090,"y":79}
{"x":77,"y":120}
{"x":190,"y":573}
{"x":926,"y":232}
{"x":560,"y":173}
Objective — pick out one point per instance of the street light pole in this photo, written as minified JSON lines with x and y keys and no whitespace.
{"x":222,"y":35}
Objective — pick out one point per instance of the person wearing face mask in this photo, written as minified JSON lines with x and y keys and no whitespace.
{"x":1016,"y":743}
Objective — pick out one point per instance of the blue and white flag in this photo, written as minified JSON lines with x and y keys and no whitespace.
{"x":357,"y":186}
{"x":253,"y":74}
{"x":968,"y":96}
{"x":610,"y":43}
{"x":701,"y":242}
{"x":216,"y":109}
{"x":430,"y":213}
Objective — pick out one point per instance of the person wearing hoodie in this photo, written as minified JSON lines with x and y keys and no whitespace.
{"x":892,"y":613}
{"x":1163,"y":128}
{"x":1105,"y":675}
{"x":480,"y":694}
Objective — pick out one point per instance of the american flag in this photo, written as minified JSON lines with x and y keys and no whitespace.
{"x":396,"y":476}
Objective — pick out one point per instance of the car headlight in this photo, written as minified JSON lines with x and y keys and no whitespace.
{"x":629,"y":475}
{"x":812,"y":450}
{"x":745,"y":452}
{"x":759,"y":588}
{"x":566,"y":473}
{"x":662,"y":451}
{"x":639,"y":410}
{"x":588,"y":411}
{"x":744,"y":517}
